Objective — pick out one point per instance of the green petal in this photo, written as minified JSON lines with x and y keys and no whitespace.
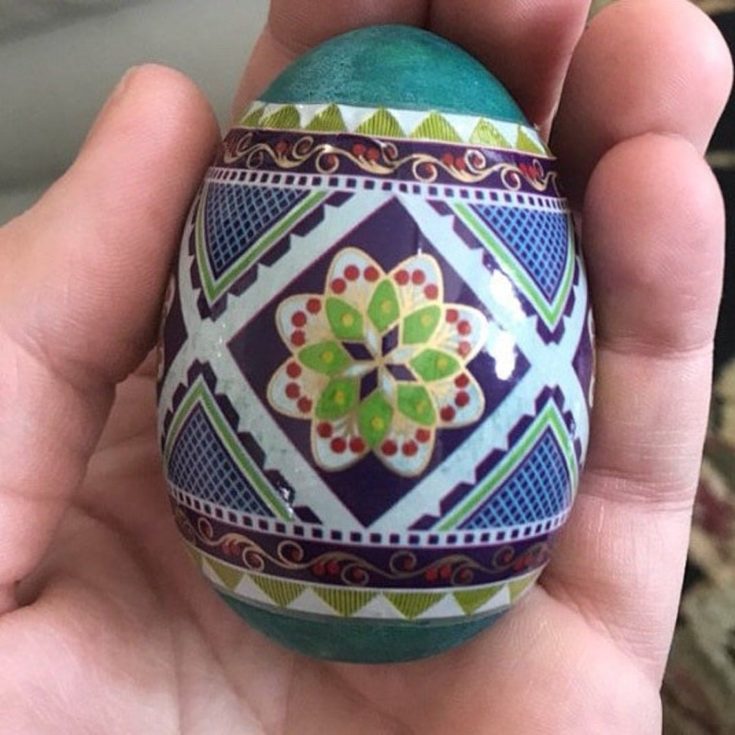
{"x":383,"y":309}
{"x":419,"y":326}
{"x":337,"y":399}
{"x":327,"y":358}
{"x":328,"y":120}
{"x":381,"y":122}
{"x":415,"y":402}
{"x":434,"y":364}
{"x":345,"y":320}
{"x":374,"y":418}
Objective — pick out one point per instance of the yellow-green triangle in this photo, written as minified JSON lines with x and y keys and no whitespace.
{"x":471,"y":600}
{"x":195,"y":554}
{"x":485,"y":133}
{"x":435,"y":127}
{"x":518,"y":586}
{"x":381,"y":122}
{"x":329,"y":120}
{"x":252,"y":119}
{"x":412,"y":604}
{"x":524,"y":142}
{"x":230,"y":576}
{"x":345,"y":601}
{"x":281,"y":592}
{"x":285,"y":118}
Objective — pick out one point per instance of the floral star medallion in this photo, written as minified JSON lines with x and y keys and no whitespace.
{"x":379,"y":363}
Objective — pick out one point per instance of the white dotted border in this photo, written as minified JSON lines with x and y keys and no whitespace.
{"x":417,"y":539}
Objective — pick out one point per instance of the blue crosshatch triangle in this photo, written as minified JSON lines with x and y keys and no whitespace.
{"x":537,"y":238}
{"x":236,"y":217}
{"x":537,"y":490}
{"x":199,"y":464}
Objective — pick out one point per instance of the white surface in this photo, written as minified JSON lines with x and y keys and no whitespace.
{"x":60,"y":59}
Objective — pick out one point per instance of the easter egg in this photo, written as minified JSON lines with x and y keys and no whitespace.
{"x":376,"y":354}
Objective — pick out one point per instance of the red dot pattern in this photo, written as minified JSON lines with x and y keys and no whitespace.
{"x":410,"y":448}
{"x":304,"y":405}
{"x":462,"y":381}
{"x":338,"y":445}
{"x":462,"y":398}
{"x":447,"y":413}
{"x":464,"y":348}
{"x":338,"y":285}
{"x":402,"y":277}
{"x":357,"y":445}
{"x":352,"y":272}
{"x":418,"y":277}
{"x":452,"y":315}
{"x":371,"y":273}
{"x":293,"y":391}
{"x":313,"y":306}
{"x":431,"y":291}
{"x":324,"y":429}
{"x":298,"y":338}
{"x":389,"y":447}
{"x":423,"y":435}
{"x":293,"y":370}
{"x":298,"y":319}
{"x":464,"y":327}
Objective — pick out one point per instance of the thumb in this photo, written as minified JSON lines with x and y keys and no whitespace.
{"x":81,"y":280}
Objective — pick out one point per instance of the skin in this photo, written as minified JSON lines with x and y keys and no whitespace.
{"x":105,"y":626}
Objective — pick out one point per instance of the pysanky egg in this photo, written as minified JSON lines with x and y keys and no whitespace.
{"x":376,"y":354}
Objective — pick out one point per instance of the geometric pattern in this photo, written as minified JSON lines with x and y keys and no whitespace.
{"x":270,"y":592}
{"x":389,"y":123}
{"x":200,"y":463}
{"x":537,"y":489}
{"x":235,"y":225}
{"x":373,"y":248}
{"x":535,"y":246}
{"x":236,"y":216}
{"x":204,"y":457}
{"x":537,"y":238}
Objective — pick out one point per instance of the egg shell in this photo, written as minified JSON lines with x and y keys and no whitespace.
{"x":377,"y":354}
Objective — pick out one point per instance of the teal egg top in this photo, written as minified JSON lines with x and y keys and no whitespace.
{"x":395,"y":66}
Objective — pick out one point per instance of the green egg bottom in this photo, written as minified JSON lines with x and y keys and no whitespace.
{"x":361,"y":641}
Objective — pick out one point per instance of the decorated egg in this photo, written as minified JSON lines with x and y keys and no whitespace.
{"x":376,"y":354}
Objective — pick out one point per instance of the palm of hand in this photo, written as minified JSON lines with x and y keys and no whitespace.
{"x":116,"y":632}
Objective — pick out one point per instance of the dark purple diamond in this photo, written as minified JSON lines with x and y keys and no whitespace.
{"x":368,"y":384}
{"x":389,"y":341}
{"x":400,"y":372}
{"x":357,"y":350}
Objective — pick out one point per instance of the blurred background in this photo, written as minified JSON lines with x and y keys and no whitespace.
{"x":54,"y":78}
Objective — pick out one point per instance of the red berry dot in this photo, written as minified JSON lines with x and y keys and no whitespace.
{"x":313,"y":306}
{"x":452,"y":315}
{"x":431,"y":574}
{"x":464,"y":348}
{"x":410,"y":448}
{"x":298,"y":319}
{"x":448,"y":159}
{"x":459,"y":163}
{"x":333,"y":567}
{"x":324,"y":429}
{"x":352,"y":272}
{"x":357,"y":445}
{"x":402,"y":277}
{"x":338,"y":445}
{"x":464,"y":327}
{"x":304,"y":405}
{"x":462,"y":381}
{"x":338,"y":285}
{"x":293,"y":370}
{"x":462,"y":398}
{"x":389,"y":448}
{"x":445,"y":571}
{"x":298,"y":338}
{"x":292,"y":390}
{"x":371,"y":273}
{"x":318,"y":569}
{"x":431,"y":291}
{"x":423,"y":435}
{"x":359,"y":149}
{"x":373,"y":154}
{"x":447,"y":413}
{"x":418,"y":277}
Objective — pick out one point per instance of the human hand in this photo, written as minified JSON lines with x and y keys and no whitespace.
{"x":112,"y":631}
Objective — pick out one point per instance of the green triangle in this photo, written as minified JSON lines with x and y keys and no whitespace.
{"x":329,"y":120}
{"x":345,"y":601}
{"x":435,"y":127}
{"x":412,"y":604}
{"x":485,"y":133}
{"x":525,"y":143}
{"x":229,"y":575}
{"x":381,"y":122}
{"x":281,"y":592}
{"x":470,"y":600}
{"x":518,"y":587}
{"x":252,"y":119}
{"x":195,"y":554}
{"x":286,"y":118}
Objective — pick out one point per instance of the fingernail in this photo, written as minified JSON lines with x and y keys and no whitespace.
{"x":115,"y":96}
